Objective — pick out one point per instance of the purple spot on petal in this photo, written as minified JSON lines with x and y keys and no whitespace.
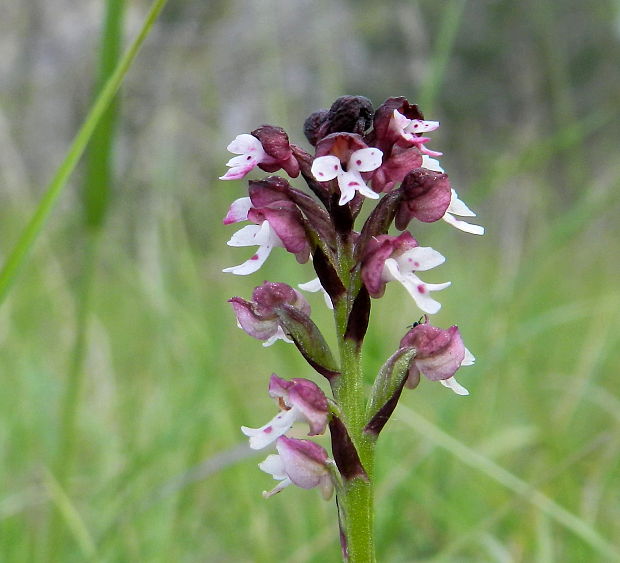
{"x":335,"y":167}
{"x":353,"y":184}
{"x":321,"y":174}
{"x":421,"y":288}
{"x":416,"y":264}
{"x":255,"y":257}
{"x":358,"y":162}
{"x":268,"y":430}
{"x":249,"y":157}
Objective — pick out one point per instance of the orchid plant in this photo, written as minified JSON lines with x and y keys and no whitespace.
{"x":360,"y":153}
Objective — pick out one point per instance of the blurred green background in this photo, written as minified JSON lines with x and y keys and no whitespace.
{"x":124,"y":377}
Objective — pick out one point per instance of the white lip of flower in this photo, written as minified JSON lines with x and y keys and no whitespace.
{"x":452,"y":383}
{"x":275,"y":467}
{"x":315,"y":285}
{"x":401,"y":269}
{"x":457,"y":207}
{"x":262,"y":236}
{"x":278,"y":426}
{"x":431,"y":164}
{"x":325,"y":168}
{"x":251,"y":153}
{"x":279,"y":335}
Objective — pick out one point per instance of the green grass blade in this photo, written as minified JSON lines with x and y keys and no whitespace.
{"x":30,"y":233}
{"x":71,"y":516}
{"x":99,"y":178}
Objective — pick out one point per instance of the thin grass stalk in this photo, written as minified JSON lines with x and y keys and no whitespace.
{"x":19,"y":253}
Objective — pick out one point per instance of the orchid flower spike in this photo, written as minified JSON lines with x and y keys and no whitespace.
{"x":300,"y":400}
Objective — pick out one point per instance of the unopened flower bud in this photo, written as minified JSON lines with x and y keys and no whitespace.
{"x":258,"y":317}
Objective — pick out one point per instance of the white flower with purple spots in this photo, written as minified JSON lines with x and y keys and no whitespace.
{"x":262,"y":236}
{"x":402,"y":268}
{"x":325,"y":168}
{"x":251,"y":154}
{"x":300,"y":400}
{"x":409,"y":129}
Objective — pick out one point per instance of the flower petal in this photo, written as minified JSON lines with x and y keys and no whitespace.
{"x":245,"y":236}
{"x":312,"y":286}
{"x":421,"y":258}
{"x":349,"y":183}
{"x":244,"y":144}
{"x":452,"y":383}
{"x":463,"y":225}
{"x":253,"y":264}
{"x":458,"y":207}
{"x":274,"y":466}
{"x":469,"y":358}
{"x":315,"y":285}
{"x":238,"y":172}
{"x":238,"y":211}
{"x":365,"y":160}
{"x":270,"y":432}
{"x":278,"y":335}
{"x":421,"y":126}
{"x":419,"y":290}
{"x":325,"y":168}
{"x":431,"y":164}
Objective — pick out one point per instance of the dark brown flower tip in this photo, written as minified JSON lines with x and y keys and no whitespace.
{"x":313,"y":124}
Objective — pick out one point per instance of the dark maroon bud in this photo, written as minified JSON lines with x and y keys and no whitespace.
{"x":258,"y":317}
{"x":425,"y":196}
{"x":349,"y":114}
{"x":313,"y":124}
{"x":276,"y":144}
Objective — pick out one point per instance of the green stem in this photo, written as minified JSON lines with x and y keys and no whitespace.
{"x":357,"y":495}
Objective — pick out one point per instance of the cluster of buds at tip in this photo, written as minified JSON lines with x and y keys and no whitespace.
{"x":358,"y":153}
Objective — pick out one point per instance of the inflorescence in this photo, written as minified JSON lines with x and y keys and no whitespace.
{"x":360,"y":154}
